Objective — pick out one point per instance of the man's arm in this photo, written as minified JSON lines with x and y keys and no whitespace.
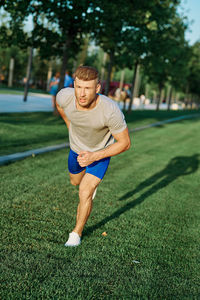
{"x":122,"y":144}
{"x":63,"y":115}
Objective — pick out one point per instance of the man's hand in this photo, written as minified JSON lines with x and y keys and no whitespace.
{"x":86,"y":158}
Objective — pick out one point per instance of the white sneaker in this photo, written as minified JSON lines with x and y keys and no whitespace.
{"x":94,"y":194}
{"x":73,"y":240}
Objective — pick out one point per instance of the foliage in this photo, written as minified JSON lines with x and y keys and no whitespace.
{"x":20,"y":57}
{"x":167,"y":55}
{"x":150,"y":33}
{"x":12,"y":31}
{"x":67,"y":20}
{"x":194,"y":70}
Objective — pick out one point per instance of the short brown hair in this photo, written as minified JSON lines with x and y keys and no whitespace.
{"x":86,"y":73}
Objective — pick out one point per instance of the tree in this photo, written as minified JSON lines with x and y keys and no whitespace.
{"x":129,"y":36}
{"x":58,"y":26}
{"x":179,"y":69}
{"x":166,"y":51}
{"x":70,"y":19}
{"x":19,"y":57}
{"x":193,"y":77}
{"x":110,"y":19}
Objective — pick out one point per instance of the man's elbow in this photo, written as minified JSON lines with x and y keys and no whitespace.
{"x":57,"y":105}
{"x":128,"y":145}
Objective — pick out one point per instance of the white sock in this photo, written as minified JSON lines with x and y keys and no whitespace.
{"x":94,"y":194}
{"x":73,"y":240}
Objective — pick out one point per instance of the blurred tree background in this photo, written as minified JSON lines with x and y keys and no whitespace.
{"x":140,"y":43}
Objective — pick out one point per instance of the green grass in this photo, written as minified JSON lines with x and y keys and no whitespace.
{"x":18,"y":90}
{"x":11,"y":92}
{"x":148,"y":203}
{"x":25,"y":131}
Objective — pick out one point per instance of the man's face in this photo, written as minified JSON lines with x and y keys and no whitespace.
{"x":85,"y":91}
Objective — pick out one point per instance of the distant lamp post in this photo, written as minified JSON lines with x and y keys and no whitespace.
{"x":30,"y":58}
{"x":11,"y":71}
{"x":28,"y":73}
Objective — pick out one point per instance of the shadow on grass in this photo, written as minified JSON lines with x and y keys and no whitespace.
{"x":178,"y":166}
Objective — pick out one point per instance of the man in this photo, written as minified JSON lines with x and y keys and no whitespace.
{"x":94,"y":122}
{"x":54,"y":87}
{"x":68,"y":82}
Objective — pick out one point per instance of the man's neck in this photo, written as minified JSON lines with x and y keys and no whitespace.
{"x":91,"y":106}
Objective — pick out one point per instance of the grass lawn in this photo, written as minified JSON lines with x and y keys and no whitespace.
{"x":16,"y":90}
{"x":148,"y":204}
{"x":25,"y":131}
{"x":11,"y":92}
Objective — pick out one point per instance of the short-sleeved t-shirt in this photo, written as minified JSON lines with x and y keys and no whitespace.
{"x":54,"y":88}
{"x":91,"y":130}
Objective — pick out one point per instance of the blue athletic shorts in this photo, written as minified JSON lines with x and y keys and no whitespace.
{"x":97,"y":168}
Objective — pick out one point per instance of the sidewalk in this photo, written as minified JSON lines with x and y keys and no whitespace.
{"x":10,"y":103}
{"x":35,"y":102}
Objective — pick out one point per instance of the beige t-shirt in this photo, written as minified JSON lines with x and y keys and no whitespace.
{"x":91,"y":130}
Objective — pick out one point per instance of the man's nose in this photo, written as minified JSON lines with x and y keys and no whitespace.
{"x":82,"y":92}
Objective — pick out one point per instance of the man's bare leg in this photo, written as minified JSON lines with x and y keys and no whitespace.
{"x":53,"y":99}
{"x":75,"y":179}
{"x":87,"y":187}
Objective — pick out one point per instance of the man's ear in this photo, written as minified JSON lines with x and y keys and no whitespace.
{"x":98,"y":88}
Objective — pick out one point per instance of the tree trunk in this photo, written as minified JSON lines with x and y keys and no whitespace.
{"x":110,"y":65}
{"x":177,"y":96}
{"x":186,"y":96}
{"x":133,"y":87}
{"x":83,"y":53}
{"x":154,"y":96}
{"x":146,"y":91}
{"x":191,"y":99}
{"x":49,"y":76}
{"x":103,"y":66}
{"x":121,"y":87}
{"x":64,"y":63}
{"x":138,"y":82}
{"x":167,"y":93}
{"x":121,"y":80}
{"x":159,"y":97}
{"x":11,"y":72}
{"x":170,"y":98}
{"x":28,"y":74}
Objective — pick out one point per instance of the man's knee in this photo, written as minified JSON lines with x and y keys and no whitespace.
{"x":75,"y":179}
{"x":86,"y":192}
{"x":74,"y":182}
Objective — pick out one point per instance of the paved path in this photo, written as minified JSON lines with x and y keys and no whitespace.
{"x":6,"y":159}
{"x":35,"y":102}
{"x":42,"y":102}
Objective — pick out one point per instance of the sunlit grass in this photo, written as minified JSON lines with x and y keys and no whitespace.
{"x":148,"y":204}
{"x":25,"y":131}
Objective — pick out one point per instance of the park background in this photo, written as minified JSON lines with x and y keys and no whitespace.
{"x":141,"y":241}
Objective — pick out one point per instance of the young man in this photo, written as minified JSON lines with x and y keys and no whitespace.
{"x":54,"y":87}
{"x":94,"y":122}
